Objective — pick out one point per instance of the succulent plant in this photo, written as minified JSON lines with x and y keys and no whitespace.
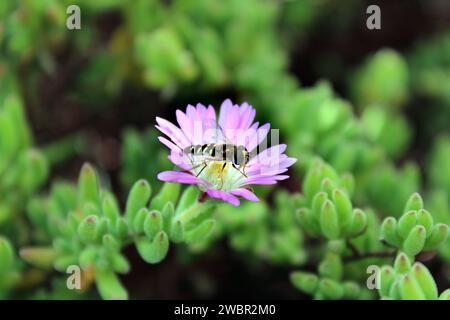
{"x":408,"y":281}
{"x":415,"y":230}
{"x":367,"y":152}
{"x":85,"y":227}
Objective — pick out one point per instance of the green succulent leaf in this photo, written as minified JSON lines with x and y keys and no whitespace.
{"x":406,"y":223}
{"x":329,"y":222}
{"x":154,"y":251}
{"x":425,"y":280}
{"x":153,"y":223}
{"x":389,"y":231}
{"x":415,"y":241}
{"x":109,"y":286}
{"x":386,"y":279}
{"x":88,"y":188}
{"x":137,"y":199}
{"x":439,"y":234}
{"x":87,"y":229}
{"x":42,"y":257}
{"x":201,"y":232}
{"x":410,"y":289}
{"x":331,"y":289}
{"x":306,"y":282}
{"x":414,"y":203}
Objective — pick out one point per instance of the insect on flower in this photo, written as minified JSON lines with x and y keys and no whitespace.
{"x":238,"y":156}
{"x":222,"y":157}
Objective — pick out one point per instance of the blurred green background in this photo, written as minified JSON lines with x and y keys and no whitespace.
{"x":371,"y":103}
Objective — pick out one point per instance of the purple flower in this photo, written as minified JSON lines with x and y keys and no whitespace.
{"x":212,"y":154}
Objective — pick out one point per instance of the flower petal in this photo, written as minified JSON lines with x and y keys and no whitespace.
{"x":173,"y":147}
{"x":257,"y":137}
{"x":222,"y":195}
{"x":247,"y":115}
{"x":191,"y":112}
{"x":179,"y":177}
{"x":261,"y":179}
{"x":246,"y":194}
{"x":181,"y":161}
{"x":265,"y":155}
{"x":173,"y":132}
{"x":225,"y":109}
{"x":186,"y":124}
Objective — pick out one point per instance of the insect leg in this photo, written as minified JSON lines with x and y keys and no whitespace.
{"x":201,"y":170}
{"x":238,"y":169}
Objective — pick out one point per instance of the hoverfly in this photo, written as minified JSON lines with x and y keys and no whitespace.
{"x":237,"y":155}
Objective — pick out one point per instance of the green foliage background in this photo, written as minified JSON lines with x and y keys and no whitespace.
{"x":371,"y":187}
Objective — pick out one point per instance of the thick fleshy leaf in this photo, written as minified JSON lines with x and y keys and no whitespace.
{"x":410,"y":289}
{"x":153,"y":251}
{"x":415,"y":241}
{"x":414,"y":203}
{"x":153,"y":224}
{"x":331,"y":289}
{"x":329,"y":221}
{"x":137,"y":199}
{"x":425,"y":280}
{"x":304,"y":281}
{"x":109,"y":286}
{"x":88,"y":188}
{"x":406,"y":223}
{"x":389,"y":231}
